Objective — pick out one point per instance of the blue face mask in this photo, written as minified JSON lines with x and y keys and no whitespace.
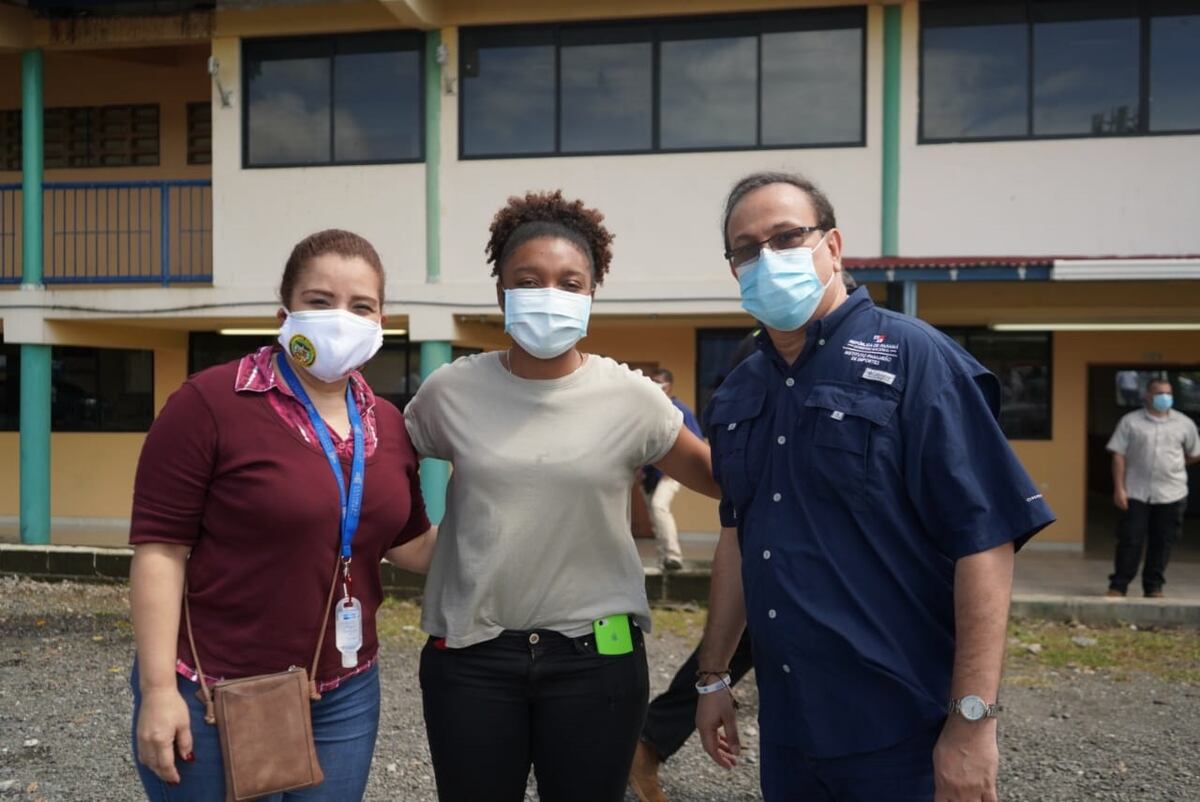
{"x":781,"y":288}
{"x":546,"y":322}
{"x":1162,"y":401}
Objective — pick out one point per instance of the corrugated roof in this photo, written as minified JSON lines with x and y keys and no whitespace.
{"x":946,"y":262}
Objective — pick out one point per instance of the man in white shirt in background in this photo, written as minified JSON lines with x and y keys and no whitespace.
{"x":1151,"y":449}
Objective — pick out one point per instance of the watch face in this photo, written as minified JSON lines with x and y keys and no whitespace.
{"x":973,"y":708}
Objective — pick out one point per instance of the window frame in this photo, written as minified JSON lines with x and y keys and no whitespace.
{"x":655,"y":31}
{"x":330,"y":44}
{"x":1147,"y":10}
{"x":89,"y":121}
{"x":966,"y":332}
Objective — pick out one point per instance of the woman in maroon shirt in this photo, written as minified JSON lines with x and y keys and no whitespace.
{"x":235,"y":492}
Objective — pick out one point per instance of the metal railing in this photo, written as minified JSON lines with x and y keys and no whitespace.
{"x":109,"y":232}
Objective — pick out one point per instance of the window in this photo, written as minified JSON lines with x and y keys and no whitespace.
{"x":1058,"y":68}
{"x":10,"y":388}
{"x":199,"y":133}
{"x":87,"y":136}
{"x":1085,"y":72}
{"x":718,"y":351}
{"x":354,"y":99}
{"x":1021,"y":360}
{"x":607,"y":90}
{"x":92,"y":389}
{"x":1175,"y":72}
{"x":754,"y":81}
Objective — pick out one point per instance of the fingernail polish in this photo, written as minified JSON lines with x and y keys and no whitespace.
{"x":189,"y":757}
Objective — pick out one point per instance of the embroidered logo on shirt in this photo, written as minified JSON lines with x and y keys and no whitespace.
{"x":871,"y":374}
{"x":837,"y":414}
{"x":302,"y":350}
{"x":877,"y":352}
{"x":1033,"y":498}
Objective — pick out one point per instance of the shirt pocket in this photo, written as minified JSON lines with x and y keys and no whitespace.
{"x":845,"y":419}
{"x":730,"y":422}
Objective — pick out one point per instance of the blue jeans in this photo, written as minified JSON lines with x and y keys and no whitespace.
{"x":344,"y":722}
{"x":899,"y":773}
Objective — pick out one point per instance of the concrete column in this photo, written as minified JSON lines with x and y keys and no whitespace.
{"x":35,"y":359}
{"x":435,"y":473}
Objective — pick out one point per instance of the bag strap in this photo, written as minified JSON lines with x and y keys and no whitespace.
{"x":209,"y":711}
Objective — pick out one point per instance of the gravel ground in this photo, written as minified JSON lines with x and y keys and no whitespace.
{"x":64,"y":716}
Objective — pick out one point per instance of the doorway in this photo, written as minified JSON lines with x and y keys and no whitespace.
{"x":1113,"y":391}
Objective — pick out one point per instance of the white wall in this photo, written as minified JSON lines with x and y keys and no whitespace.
{"x":1071,"y":197}
{"x":259,"y":215}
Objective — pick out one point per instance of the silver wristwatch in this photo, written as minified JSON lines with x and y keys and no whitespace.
{"x":973,"y":708}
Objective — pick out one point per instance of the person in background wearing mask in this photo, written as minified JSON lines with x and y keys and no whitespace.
{"x":870,"y":511}
{"x":536,"y":602}
{"x":1151,"y":449}
{"x":235,"y":494}
{"x":660,"y":490}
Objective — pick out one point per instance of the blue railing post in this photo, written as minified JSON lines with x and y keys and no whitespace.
{"x":164,"y":205}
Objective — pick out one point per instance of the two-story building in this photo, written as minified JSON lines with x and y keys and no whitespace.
{"x":1025,"y":175}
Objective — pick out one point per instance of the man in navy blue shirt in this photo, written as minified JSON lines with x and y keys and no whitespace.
{"x":660,"y":489}
{"x":871,"y":510}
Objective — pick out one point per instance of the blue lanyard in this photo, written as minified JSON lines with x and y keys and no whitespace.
{"x":352,"y":505}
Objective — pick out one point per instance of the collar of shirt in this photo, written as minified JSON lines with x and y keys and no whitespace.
{"x":820,"y":329}
{"x":256,"y":374}
{"x":1150,"y":416}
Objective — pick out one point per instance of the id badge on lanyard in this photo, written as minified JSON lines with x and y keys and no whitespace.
{"x":347,"y":613}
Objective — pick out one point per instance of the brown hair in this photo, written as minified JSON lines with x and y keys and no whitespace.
{"x":346,"y":244}
{"x":549,"y":214}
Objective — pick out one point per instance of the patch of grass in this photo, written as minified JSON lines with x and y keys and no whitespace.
{"x":1028,"y":681}
{"x":399,"y":622}
{"x":1117,"y":651}
{"x":686,"y":623}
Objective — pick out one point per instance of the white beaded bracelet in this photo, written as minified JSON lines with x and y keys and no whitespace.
{"x":721,"y":685}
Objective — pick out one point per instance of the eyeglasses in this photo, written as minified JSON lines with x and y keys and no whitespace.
{"x":784,"y":240}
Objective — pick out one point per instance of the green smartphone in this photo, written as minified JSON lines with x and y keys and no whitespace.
{"x":613,"y":634}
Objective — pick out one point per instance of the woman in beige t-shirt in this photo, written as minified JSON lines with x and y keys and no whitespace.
{"x":535,"y":547}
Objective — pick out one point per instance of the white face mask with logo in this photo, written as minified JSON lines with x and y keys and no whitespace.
{"x":330,"y":343}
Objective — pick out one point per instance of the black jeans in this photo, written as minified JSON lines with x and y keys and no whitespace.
{"x":537,"y":698}
{"x":671,"y":718}
{"x":1156,"y":527}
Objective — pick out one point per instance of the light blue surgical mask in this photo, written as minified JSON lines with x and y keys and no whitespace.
{"x":1162,"y":401}
{"x":782,"y":288}
{"x":546,"y":322}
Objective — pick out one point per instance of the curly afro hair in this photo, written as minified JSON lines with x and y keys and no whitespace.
{"x":549,"y":214}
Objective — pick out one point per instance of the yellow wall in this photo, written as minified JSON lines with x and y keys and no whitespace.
{"x":298,"y":19}
{"x":172,"y":77}
{"x":91,"y":474}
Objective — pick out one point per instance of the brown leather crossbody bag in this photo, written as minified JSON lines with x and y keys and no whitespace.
{"x":264,"y":723}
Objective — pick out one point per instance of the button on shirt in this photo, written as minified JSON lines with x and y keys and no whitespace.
{"x":1156,"y":449}
{"x":856,"y":477}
